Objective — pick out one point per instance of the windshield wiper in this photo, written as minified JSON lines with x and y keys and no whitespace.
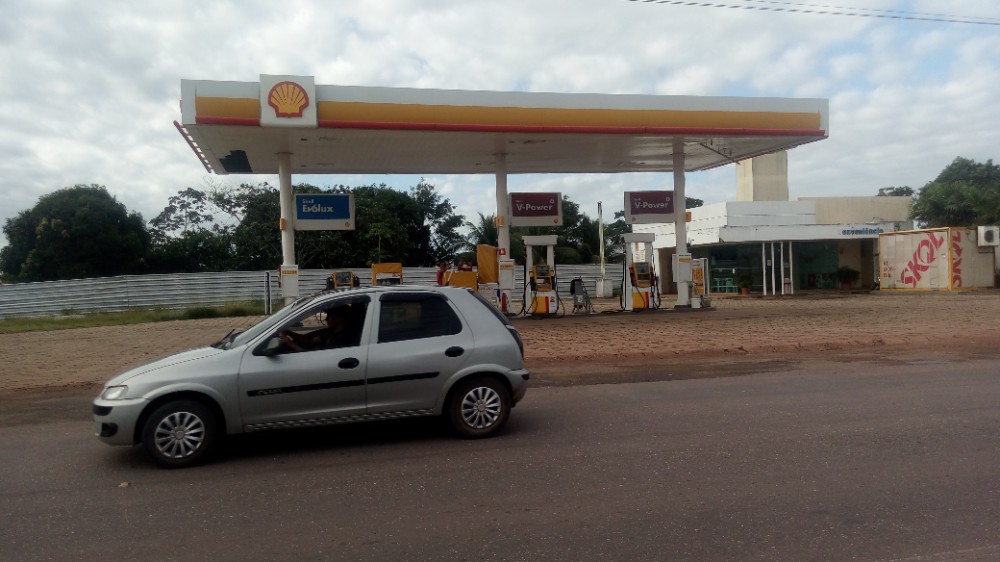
{"x":225,"y":339}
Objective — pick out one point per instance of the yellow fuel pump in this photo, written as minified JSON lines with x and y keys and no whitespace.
{"x":541,"y":296}
{"x":639,"y":284}
{"x":387,"y":274}
{"x":340,"y":280}
{"x":543,"y":293}
{"x":643,"y":281}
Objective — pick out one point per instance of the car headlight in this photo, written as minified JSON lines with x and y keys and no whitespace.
{"x":114,"y":392}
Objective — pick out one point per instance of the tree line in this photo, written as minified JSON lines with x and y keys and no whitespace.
{"x":83,"y":231}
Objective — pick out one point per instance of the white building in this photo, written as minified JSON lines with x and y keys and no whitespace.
{"x":765,"y":234}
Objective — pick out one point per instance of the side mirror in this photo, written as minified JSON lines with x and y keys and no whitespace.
{"x":272,"y":347}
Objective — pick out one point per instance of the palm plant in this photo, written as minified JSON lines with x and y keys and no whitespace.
{"x":482,"y":232}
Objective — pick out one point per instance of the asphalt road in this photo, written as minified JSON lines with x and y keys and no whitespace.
{"x":842,"y":461}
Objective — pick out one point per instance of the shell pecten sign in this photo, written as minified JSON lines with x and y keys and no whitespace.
{"x":287,"y":101}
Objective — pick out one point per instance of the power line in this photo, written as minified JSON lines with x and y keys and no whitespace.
{"x":791,"y":7}
{"x":902,"y":13}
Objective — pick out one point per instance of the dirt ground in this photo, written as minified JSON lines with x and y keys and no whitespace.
{"x":735,"y":335}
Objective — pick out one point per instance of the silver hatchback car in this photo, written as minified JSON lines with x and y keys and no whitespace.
{"x":336,"y":357}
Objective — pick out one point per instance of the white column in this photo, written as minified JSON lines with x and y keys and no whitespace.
{"x":627,"y":275}
{"x":791,"y":268}
{"x":503,"y":213}
{"x":503,"y":230}
{"x":680,"y":226}
{"x":781,"y":255}
{"x":602,"y":281}
{"x":287,"y":202}
{"x":774,"y":285}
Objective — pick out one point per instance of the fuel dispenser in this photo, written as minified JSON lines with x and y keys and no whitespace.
{"x":339,"y":280}
{"x":387,"y":274}
{"x":541,"y":295}
{"x":639,"y":290}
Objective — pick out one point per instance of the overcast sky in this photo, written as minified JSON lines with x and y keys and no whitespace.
{"x":89,"y":90}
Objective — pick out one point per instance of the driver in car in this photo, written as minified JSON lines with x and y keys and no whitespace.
{"x":334,"y":335}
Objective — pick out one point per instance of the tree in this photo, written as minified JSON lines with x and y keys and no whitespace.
{"x":391,"y":227}
{"x":965,"y":193}
{"x":188,"y":209}
{"x":75,"y":232}
{"x":903,"y":191}
{"x":439,"y":215}
{"x":416,"y":228}
{"x":483,"y":231}
{"x":614,"y":249}
{"x":186,"y":237}
{"x":192,"y":251}
{"x":257,"y":238}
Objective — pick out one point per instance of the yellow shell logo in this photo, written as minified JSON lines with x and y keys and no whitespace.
{"x":288,"y":99}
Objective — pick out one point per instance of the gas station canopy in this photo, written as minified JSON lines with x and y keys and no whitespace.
{"x":288,"y":125}
{"x":243,"y":127}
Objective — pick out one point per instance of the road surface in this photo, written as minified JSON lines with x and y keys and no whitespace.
{"x":891,"y":459}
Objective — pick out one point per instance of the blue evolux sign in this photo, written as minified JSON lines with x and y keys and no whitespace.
{"x":327,"y":211}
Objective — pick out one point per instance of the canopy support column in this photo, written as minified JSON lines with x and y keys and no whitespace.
{"x":286,"y":200}
{"x":680,"y":225}
{"x":506,"y":274}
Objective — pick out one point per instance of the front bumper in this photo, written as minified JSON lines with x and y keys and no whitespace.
{"x":116,"y":420}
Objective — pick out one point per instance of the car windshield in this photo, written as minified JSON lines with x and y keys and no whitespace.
{"x":268,"y":323}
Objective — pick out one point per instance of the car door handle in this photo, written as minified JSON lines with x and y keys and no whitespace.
{"x":348,"y":363}
{"x":454,"y":351}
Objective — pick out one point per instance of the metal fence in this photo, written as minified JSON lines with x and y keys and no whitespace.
{"x":184,"y":290}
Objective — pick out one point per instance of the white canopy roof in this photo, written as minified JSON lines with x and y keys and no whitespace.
{"x":241,"y":127}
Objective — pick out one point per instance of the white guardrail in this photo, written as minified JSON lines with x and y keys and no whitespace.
{"x":184,"y":290}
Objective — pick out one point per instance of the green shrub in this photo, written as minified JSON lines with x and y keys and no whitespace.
{"x":158,"y":314}
{"x":199,"y":312}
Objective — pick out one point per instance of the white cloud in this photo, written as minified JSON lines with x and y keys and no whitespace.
{"x":88,"y":91}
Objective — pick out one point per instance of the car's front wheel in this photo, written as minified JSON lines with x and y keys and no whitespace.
{"x":180,"y":434}
{"x":479,"y":407}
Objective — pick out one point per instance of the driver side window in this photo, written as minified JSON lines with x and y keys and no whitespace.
{"x":327,"y":326}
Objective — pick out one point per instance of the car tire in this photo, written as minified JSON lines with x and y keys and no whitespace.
{"x":180,"y":434}
{"x":479,"y":407}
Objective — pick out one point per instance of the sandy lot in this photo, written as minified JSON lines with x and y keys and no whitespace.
{"x":609,"y":346}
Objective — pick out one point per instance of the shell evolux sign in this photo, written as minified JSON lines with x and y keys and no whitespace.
{"x":324,"y":211}
{"x":287,"y":101}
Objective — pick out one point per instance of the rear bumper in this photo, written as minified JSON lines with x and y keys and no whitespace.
{"x":518,"y":384}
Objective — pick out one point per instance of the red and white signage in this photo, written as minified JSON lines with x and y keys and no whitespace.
{"x":644,"y":207}
{"x":535,"y":209}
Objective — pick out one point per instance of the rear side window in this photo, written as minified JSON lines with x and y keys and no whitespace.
{"x":415,"y":316}
{"x":493,"y":310}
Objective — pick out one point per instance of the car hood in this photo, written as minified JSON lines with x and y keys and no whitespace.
{"x":188,"y":356}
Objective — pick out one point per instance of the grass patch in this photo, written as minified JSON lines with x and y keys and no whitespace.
{"x":76,"y":320}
